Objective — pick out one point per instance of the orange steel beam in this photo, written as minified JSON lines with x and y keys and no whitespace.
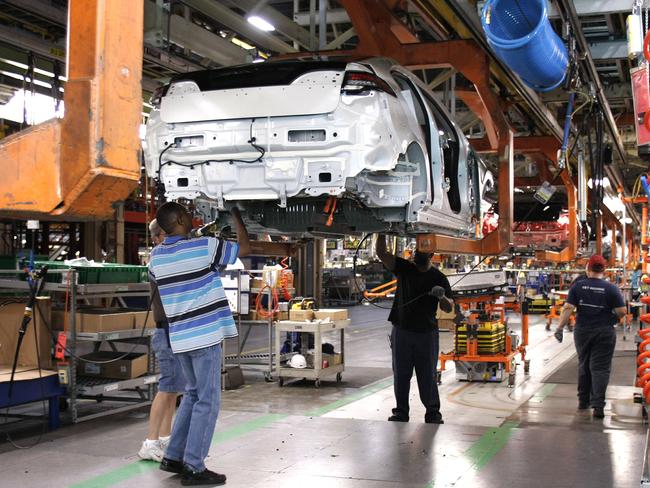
{"x":524,"y":181}
{"x":599,"y":234}
{"x":81,"y":165}
{"x":635,"y":199}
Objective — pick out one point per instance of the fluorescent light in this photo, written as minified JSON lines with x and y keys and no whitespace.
{"x":39,"y":108}
{"x":260,"y":23}
{"x":36,"y":70}
{"x":242,"y":44}
{"x":546,"y":208}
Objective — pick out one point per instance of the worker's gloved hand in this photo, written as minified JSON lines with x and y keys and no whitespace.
{"x":559,"y":334}
{"x":437,"y":291}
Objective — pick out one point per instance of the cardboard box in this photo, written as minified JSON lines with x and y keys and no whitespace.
{"x":257,"y":283}
{"x":301,"y":315}
{"x":105,"y":320}
{"x":139,"y":318}
{"x":333,"y":359}
{"x":446,"y":324}
{"x":57,"y":319}
{"x":331,"y":313}
{"x":11,"y":317}
{"x":131,"y":366}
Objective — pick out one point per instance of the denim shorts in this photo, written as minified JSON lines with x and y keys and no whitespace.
{"x":171,"y":373}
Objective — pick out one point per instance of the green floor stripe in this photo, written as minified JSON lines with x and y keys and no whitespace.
{"x":246,"y":427}
{"x":545,"y":391}
{"x":131,"y":470}
{"x":362,"y":393}
{"x":140,"y":467}
{"x":484,"y":449}
{"x":118,"y":475}
{"x":490,"y":443}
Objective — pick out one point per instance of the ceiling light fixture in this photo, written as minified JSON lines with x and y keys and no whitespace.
{"x":260,"y":23}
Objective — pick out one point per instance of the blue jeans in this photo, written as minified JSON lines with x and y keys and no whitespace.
{"x":197,"y":416}
{"x":171,"y":373}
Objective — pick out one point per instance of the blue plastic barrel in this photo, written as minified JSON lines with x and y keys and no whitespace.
{"x":521,"y":35}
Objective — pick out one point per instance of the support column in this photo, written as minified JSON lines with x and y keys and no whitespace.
{"x":119,"y":233}
{"x":92,"y":233}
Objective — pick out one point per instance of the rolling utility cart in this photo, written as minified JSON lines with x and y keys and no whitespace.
{"x":318,"y":329}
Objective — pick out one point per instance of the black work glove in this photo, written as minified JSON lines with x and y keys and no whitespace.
{"x":437,"y":291}
{"x":559,"y":334}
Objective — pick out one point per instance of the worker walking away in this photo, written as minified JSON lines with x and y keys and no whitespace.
{"x":194,"y":301}
{"x":414,"y":337}
{"x":171,"y":382}
{"x":600,"y":306}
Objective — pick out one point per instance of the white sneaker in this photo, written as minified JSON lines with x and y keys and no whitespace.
{"x":151,"y":450}
{"x":164,"y":442}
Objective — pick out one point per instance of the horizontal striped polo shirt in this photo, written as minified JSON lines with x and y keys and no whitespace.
{"x":185,"y":271}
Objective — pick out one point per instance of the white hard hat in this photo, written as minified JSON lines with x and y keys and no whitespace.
{"x":298,"y":361}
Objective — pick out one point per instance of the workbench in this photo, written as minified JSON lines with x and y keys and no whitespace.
{"x":30,"y":386}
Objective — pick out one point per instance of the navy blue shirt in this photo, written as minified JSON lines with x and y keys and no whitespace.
{"x":595,"y":300}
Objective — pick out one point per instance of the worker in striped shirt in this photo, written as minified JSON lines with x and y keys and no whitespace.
{"x":185,"y":271}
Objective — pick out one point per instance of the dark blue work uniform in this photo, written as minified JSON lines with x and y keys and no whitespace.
{"x":594,"y":336}
{"x":414,"y":337}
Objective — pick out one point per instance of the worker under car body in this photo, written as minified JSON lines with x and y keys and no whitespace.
{"x":185,"y":271}
{"x":414,"y":337}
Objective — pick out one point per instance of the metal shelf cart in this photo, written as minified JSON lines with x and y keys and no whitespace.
{"x":262,"y":359}
{"x":91,"y":388}
{"x":317,"y":328}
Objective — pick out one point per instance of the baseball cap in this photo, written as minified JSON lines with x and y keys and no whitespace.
{"x":597,"y":263}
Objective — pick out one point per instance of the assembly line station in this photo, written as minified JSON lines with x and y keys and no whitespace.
{"x":508,"y":140}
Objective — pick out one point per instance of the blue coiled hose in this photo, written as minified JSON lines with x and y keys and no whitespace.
{"x":521,"y":35}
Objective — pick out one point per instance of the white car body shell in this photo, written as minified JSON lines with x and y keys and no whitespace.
{"x":318,"y":142}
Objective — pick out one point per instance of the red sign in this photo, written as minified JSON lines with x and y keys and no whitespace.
{"x":641,"y":96}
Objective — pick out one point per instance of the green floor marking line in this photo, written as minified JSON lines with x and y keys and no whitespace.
{"x":362,"y":393}
{"x":543,"y":392}
{"x":490,"y":443}
{"x":484,"y":449}
{"x":131,"y":470}
{"x":246,"y":427}
{"x":118,"y":475}
{"x":136,"y":468}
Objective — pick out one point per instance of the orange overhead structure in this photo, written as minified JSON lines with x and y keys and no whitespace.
{"x":79,"y":166}
{"x":568,"y":253}
{"x":380,"y":35}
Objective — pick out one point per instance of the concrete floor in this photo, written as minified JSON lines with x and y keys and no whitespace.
{"x":337,"y":436}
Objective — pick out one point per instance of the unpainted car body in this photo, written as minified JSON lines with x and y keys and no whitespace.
{"x":314,"y":148}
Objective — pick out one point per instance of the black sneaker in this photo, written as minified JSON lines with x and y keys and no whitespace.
{"x":205,"y":477}
{"x":398,"y":418}
{"x":171,"y":466}
{"x":433,"y":419}
{"x":599,"y":413}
